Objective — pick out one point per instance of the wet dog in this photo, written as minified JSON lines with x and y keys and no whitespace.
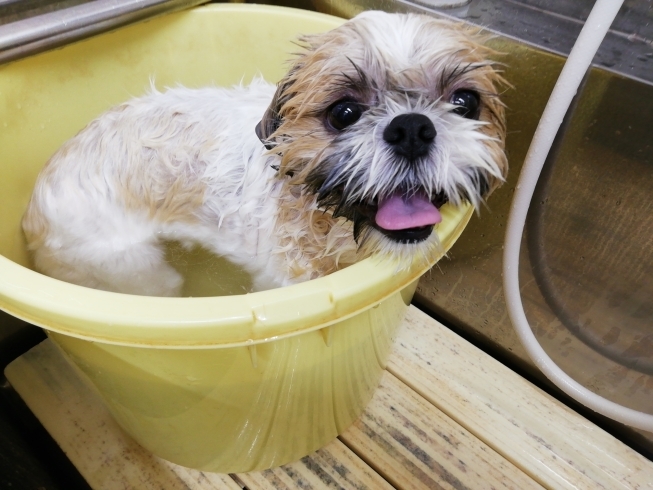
{"x":377,"y":124}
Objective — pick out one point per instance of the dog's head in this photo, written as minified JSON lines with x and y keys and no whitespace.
{"x":387,"y":118}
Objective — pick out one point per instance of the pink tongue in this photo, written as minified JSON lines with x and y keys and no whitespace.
{"x":399,"y":213}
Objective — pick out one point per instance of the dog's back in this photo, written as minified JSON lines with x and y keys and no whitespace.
{"x":161,"y":167}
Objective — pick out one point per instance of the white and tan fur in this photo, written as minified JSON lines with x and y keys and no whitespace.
{"x":187,"y":165}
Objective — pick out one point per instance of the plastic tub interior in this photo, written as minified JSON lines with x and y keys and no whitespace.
{"x":230,"y":383}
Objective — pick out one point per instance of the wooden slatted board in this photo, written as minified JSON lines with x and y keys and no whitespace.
{"x":446,"y":415}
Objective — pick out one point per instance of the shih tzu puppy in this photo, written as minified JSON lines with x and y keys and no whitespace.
{"x":377,"y":124}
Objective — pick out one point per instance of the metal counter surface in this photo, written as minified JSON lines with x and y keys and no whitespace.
{"x":586,"y":268}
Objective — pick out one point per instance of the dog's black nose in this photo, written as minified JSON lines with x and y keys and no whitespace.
{"x":410,"y":135}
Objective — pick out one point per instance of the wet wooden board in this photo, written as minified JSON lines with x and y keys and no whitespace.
{"x":445,"y":416}
{"x":548,"y":441}
{"x":333,"y":466}
{"x":415,"y":446}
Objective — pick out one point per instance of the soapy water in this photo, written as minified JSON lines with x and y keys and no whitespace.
{"x":207,"y":274}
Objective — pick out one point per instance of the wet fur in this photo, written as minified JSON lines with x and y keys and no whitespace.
{"x":186,"y":165}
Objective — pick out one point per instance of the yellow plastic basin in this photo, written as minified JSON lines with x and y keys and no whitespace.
{"x":226,"y":384}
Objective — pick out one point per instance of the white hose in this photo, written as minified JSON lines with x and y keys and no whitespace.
{"x":580,"y":58}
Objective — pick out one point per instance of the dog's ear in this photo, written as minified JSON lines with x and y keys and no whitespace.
{"x":272,"y":119}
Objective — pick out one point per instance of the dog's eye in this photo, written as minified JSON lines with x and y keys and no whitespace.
{"x":343,"y":114}
{"x":467,"y":103}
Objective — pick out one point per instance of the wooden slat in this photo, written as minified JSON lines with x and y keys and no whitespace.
{"x":76,"y":418}
{"x":334,"y":466}
{"x":553,"y":444}
{"x":402,"y":435}
{"x":415,"y":446}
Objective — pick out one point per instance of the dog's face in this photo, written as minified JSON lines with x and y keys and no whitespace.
{"x":384,"y":120}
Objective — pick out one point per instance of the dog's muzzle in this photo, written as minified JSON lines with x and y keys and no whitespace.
{"x":402,"y":217}
{"x":406,"y":215}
